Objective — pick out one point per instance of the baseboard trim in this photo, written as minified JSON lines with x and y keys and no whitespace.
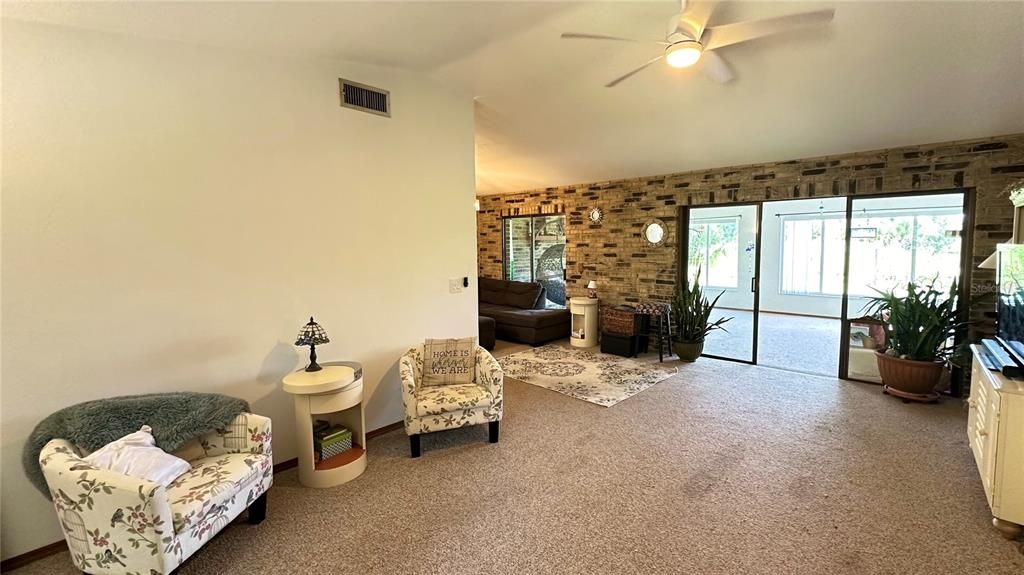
{"x":34,"y":555}
{"x":382,"y":430}
{"x":286,"y":465}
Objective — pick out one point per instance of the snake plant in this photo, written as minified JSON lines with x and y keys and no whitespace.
{"x":692,"y":311}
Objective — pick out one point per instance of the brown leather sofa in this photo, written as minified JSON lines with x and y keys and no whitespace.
{"x":517,"y":309}
{"x":485,"y":332}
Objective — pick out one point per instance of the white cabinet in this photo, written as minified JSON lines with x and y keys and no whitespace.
{"x":334,"y":393}
{"x":584,"y":321}
{"x":995,"y":429}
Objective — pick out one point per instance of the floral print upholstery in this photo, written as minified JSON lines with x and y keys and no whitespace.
{"x":211,"y":484}
{"x":125,"y":526}
{"x":446,"y":407}
{"x":438,"y":399}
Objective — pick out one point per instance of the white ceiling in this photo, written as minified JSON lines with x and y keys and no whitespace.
{"x":883,"y":74}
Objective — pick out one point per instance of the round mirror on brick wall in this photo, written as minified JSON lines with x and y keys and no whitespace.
{"x":596,"y":215}
{"x":655,"y":232}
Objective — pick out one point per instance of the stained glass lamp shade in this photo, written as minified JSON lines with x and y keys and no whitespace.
{"x":312,"y":335}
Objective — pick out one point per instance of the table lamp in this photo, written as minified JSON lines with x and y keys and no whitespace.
{"x":312,"y":335}
{"x":592,"y":289}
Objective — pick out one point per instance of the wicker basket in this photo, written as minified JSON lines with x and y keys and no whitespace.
{"x":619,"y":320}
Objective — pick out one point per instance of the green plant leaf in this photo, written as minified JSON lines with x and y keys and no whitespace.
{"x":691,"y":311}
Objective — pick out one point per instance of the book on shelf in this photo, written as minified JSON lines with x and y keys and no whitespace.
{"x":331,"y":442}
{"x":333,"y":433}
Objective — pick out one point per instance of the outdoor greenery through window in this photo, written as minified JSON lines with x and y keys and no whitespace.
{"x":886,"y":251}
{"x":714,"y":249}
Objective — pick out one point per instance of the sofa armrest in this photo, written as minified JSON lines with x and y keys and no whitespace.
{"x":489,"y":375}
{"x":409,"y":368}
{"x":248,"y":433}
{"x":106,"y":516}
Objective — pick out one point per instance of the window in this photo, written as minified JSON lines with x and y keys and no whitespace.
{"x":812,"y":255}
{"x":886,"y":251}
{"x":714,"y":249}
{"x":534,"y":248}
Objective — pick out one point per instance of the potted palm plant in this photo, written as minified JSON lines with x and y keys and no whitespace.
{"x":919,"y":329}
{"x":692,"y":312}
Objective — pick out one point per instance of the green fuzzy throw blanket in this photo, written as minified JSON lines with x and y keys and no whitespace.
{"x":175,"y":418}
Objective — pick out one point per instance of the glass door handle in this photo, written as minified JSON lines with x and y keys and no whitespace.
{"x":753,"y":284}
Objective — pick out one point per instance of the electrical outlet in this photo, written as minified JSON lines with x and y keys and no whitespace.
{"x":455,"y":286}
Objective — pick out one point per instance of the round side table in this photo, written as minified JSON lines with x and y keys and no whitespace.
{"x":584,"y":321}
{"x":335,"y":394}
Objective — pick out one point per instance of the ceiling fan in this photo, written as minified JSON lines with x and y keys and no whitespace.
{"x":689,"y":39}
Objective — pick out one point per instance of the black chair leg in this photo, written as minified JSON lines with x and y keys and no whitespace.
{"x":661,"y":338}
{"x":492,"y":429}
{"x":414,"y":445}
{"x":258,"y":510}
{"x":668,"y":320}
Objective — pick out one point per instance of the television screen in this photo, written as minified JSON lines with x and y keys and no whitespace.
{"x":1010,"y":309}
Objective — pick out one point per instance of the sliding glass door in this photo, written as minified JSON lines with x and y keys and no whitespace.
{"x":534,"y":249}
{"x":894,"y":241}
{"x":794,"y":276}
{"x":722,"y":254}
{"x":801,"y":296}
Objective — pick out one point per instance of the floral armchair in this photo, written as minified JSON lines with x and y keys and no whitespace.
{"x":435,"y":408}
{"x":116,"y":524}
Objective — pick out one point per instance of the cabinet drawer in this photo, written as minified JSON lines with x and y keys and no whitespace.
{"x":982,"y":425}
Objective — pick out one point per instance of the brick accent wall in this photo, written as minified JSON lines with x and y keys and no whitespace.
{"x":628,"y":270}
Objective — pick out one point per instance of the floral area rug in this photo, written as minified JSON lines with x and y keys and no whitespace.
{"x":599,"y":378}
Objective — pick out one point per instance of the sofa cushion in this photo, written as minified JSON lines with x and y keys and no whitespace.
{"x":448,"y":361}
{"x":211,"y":483}
{"x":490,"y":290}
{"x":522,"y":295}
{"x":445,"y":399}
{"x":535,"y":318}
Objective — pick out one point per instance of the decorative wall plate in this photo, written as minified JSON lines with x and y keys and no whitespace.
{"x":655,"y":232}
{"x":596,"y":215}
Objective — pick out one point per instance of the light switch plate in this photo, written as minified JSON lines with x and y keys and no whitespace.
{"x":455,"y":285}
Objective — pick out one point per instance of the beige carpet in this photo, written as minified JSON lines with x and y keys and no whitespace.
{"x":723,"y":468}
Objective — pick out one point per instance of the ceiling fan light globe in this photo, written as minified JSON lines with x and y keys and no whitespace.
{"x":683,"y":54}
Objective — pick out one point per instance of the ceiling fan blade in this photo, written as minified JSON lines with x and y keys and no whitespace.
{"x":616,"y":81}
{"x":694,"y":18}
{"x":716,"y":68}
{"x":729,"y":34}
{"x":574,"y":36}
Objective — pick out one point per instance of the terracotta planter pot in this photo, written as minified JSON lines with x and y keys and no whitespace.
{"x":908,"y":376}
{"x":688,"y":350}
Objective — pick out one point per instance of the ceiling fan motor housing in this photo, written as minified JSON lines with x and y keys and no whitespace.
{"x":683,"y":53}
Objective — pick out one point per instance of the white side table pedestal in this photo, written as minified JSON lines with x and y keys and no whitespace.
{"x":334,"y":393}
{"x":584,"y":321}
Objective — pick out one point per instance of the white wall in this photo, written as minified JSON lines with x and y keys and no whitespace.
{"x":172,"y":214}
